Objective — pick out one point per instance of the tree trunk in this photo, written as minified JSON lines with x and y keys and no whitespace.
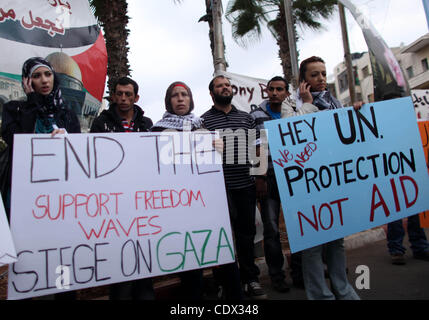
{"x":114,"y":21}
{"x":283,"y":43}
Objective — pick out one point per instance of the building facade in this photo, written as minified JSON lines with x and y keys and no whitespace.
{"x":412,"y":58}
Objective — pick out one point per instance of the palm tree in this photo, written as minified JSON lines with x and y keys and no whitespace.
{"x":248,"y":16}
{"x":113,"y":17}
{"x":208,"y":17}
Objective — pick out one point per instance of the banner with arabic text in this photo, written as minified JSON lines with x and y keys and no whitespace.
{"x":67,"y":35}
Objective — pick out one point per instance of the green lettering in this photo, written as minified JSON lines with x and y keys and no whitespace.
{"x":188,"y":237}
{"x":228,"y":245}
{"x":168,"y":254}
{"x":203,"y":249}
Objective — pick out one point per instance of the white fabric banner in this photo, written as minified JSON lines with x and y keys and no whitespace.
{"x":248,"y":92}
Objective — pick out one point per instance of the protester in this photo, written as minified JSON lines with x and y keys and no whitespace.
{"x":178,"y":116}
{"x":240,"y":186}
{"x":124,"y":115}
{"x":314,"y":96}
{"x":179,"y":105}
{"x":416,"y":235}
{"x":266,"y":187}
{"x":43,"y":111}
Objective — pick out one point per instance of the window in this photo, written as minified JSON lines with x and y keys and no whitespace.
{"x":425,"y":65}
{"x":342,"y":81}
{"x":410,"y":72}
{"x":365,"y":72}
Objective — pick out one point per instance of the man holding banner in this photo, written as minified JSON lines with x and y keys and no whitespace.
{"x":124,"y":116}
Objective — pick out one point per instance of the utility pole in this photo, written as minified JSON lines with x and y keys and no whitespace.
{"x":347,"y":55}
{"x":426,"y":7}
{"x":290,"y":26}
{"x":219,"y":49}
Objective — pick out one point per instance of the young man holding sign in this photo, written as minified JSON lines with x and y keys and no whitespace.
{"x":124,"y":115}
{"x":268,"y":195}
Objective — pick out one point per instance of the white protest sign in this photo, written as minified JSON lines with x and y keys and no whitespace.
{"x":7,"y":248}
{"x":114,"y":207}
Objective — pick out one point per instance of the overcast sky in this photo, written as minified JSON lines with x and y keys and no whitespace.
{"x":168,"y":44}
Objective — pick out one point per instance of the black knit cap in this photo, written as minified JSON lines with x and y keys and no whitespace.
{"x":170,"y":91}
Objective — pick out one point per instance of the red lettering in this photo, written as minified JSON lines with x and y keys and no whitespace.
{"x":103,"y":203}
{"x":286,"y":155}
{"x":174,"y":205}
{"x":100,"y":204}
{"x":127,"y":233}
{"x":141,"y":226}
{"x":38,"y":205}
{"x":146,"y":199}
{"x":117,"y":201}
{"x":153,"y":225}
{"x":325,"y":205}
{"x":192,"y":196}
{"x":111,"y":226}
{"x":314,"y":223}
{"x":416,"y":188}
{"x":79,"y":204}
{"x":92,"y":231}
{"x":97,"y":205}
{"x":395,"y":195}
{"x":381,"y":202}
{"x":154,"y":199}
{"x":304,"y":156}
{"x":166,"y":199}
{"x":340,"y":208}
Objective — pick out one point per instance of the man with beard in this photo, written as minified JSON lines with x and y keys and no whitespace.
{"x":236,"y":128}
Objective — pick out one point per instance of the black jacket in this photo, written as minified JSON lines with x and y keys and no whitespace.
{"x":20,"y":117}
{"x":109,"y":121}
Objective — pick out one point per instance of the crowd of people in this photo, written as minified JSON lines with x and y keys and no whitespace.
{"x":44,"y":111}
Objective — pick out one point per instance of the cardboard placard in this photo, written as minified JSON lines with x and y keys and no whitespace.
{"x":94,"y":209}
{"x":341,"y":172}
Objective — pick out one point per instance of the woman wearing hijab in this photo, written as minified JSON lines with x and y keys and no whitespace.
{"x":43,"y":111}
{"x":178,"y":116}
{"x":179,"y":105}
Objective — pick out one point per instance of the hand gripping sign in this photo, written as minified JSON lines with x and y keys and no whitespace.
{"x":344,"y":171}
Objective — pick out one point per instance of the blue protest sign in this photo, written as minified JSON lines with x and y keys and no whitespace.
{"x":343,"y":171}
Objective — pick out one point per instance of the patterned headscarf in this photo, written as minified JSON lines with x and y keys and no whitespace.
{"x":53,"y":101}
